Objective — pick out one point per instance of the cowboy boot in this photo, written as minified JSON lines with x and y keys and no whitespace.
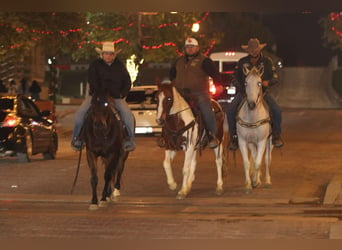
{"x":233,"y":143}
{"x":276,"y":140}
{"x":213,"y":141}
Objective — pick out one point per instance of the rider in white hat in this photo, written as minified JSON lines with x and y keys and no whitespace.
{"x":109,"y":74}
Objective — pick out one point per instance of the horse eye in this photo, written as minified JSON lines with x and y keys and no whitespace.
{"x":245,"y":83}
{"x":169,"y":99}
{"x":106,"y":104}
{"x":259,"y":83}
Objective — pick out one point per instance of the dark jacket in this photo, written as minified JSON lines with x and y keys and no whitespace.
{"x":269,"y":74}
{"x":113,"y":78}
{"x":35,"y":88}
{"x":193,"y":73}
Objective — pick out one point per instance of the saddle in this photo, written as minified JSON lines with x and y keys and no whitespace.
{"x":172,"y":137}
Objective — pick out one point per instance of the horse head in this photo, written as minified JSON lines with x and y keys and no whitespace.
{"x":253,"y":86}
{"x":101,"y":112}
{"x":164,"y":101}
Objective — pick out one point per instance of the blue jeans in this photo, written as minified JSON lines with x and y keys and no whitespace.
{"x":120,"y":104}
{"x":204,"y":104}
{"x":275,"y":113}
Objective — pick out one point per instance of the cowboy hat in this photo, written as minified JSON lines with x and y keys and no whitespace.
{"x":107,"y":47}
{"x":253,"y":44}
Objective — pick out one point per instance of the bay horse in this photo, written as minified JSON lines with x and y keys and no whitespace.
{"x":183,"y":131}
{"x":254,"y":130}
{"x":103,"y":133}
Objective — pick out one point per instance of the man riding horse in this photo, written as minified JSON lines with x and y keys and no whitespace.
{"x":269,"y":78}
{"x":107,"y":74}
{"x":191,"y":74}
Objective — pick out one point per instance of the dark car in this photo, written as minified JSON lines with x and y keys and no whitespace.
{"x":25,"y":130}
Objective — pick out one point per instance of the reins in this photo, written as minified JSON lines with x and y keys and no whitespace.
{"x":77,"y":171}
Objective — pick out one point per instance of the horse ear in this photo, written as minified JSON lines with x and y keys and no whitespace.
{"x":261,"y":69}
{"x":158,"y":81}
{"x":245,"y":69}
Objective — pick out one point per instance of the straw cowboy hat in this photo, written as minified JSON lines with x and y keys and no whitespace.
{"x":253,"y":44}
{"x":107,"y":47}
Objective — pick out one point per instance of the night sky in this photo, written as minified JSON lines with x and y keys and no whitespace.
{"x":298,"y":38}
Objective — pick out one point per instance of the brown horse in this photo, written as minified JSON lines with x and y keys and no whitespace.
{"x":182,"y":130}
{"x":103,"y":133}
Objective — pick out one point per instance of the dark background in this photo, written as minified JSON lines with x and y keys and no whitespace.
{"x":298,"y":38}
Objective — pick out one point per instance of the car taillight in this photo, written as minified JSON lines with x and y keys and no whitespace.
{"x":212,"y":89}
{"x":10,"y":121}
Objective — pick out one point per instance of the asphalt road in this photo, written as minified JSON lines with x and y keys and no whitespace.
{"x":35,"y":199}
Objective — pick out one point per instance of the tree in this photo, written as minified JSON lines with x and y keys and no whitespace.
{"x":332,"y":30}
{"x":156,"y":36}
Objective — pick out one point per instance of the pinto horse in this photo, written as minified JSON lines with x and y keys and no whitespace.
{"x":254,"y":130}
{"x":103,"y":134}
{"x":182,"y":130}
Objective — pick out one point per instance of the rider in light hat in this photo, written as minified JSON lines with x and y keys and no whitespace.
{"x":269,"y":77}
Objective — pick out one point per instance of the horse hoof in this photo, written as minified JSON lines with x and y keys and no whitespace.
{"x":255,"y":185}
{"x":267,"y":185}
{"x":103,"y":203}
{"x":180,"y":196}
{"x":93,"y":207}
{"x":114,"y":198}
{"x":219,"y":191}
{"x":173,"y":186}
{"x":248,"y":190}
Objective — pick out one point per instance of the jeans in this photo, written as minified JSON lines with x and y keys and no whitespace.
{"x":120,"y":104}
{"x":275,"y":113}
{"x":204,"y":104}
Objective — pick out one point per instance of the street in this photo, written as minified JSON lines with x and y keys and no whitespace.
{"x":35,"y":199}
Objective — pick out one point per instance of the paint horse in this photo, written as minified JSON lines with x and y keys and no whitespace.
{"x":183,"y":131}
{"x":254,"y":130}
{"x":103,"y":133}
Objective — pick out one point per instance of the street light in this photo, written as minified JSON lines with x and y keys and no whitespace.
{"x":195,"y":27}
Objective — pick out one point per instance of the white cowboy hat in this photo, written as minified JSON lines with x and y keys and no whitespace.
{"x":253,"y":44}
{"x":107,"y":47}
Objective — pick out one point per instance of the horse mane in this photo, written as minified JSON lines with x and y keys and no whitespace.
{"x":102,"y":128}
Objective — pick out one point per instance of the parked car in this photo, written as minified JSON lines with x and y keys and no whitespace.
{"x":141,"y":100}
{"x":25,"y":130}
{"x":226,"y":62}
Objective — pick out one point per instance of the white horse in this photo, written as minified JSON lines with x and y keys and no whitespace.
{"x":181,"y":131}
{"x":254,"y":130}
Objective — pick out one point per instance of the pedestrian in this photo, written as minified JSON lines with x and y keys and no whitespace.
{"x":35,"y":90}
{"x":3,"y":88}
{"x":107,"y":73}
{"x":12,"y":89}
{"x":23,"y":87}
{"x":255,"y":58}
{"x":191,"y":73}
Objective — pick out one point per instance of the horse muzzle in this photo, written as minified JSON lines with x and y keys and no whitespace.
{"x":160,"y":122}
{"x":252,"y":105}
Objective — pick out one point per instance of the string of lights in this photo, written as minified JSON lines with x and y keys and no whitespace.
{"x":335,"y":18}
{"x":81,"y":44}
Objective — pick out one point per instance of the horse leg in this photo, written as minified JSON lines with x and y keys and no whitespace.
{"x":219,"y":166}
{"x":257,"y":163}
{"x":189,"y":162}
{"x":92,"y":163}
{"x":246,"y":165}
{"x":268,"y":158}
{"x":169,"y":156}
{"x":191,"y":177}
{"x":117,"y":178}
